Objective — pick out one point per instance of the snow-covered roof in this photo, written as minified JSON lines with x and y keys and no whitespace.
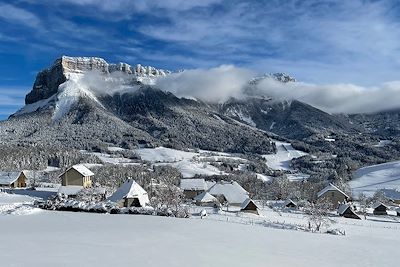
{"x":83,"y":170}
{"x":130,"y":189}
{"x":232,"y":191}
{"x":342,"y":208}
{"x":330,"y":187}
{"x":70,"y":190}
{"x":210,"y":184}
{"x":7,"y":178}
{"x":247,"y":202}
{"x":377,"y":204}
{"x":205,"y":197}
{"x":193,"y":184}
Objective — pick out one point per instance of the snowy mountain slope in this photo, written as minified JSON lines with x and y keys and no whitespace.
{"x":369,"y":179}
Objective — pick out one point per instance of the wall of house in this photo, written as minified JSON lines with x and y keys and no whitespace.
{"x":73,"y":177}
{"x":21,"y":181}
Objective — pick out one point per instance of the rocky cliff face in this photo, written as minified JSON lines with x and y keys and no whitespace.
{"x":48,"y":80}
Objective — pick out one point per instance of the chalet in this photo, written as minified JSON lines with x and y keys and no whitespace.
{"x":346,"y":211}
{"x":229,"y":192}
{"x":380,"y":208}
{"x":289,"y":204}
{"x":77,"y":175}
{"x":205,"y":199}
{"x":12,"y":179}
{"x":130,"y":194}
{"x":333,"y":194}
{"x":193,"y":187}
{"x":249,"y":206}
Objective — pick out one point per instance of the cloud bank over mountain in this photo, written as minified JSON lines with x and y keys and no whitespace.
{"x":218,"y":84}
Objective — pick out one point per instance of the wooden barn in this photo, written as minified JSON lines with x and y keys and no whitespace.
{"x":130,"y":194}
{"x":13,"y":179}
{"x":346,"y":211}
{"x":249,"y":206}
{"x":380,"y":208}
{"x":333,"y":194}
{"x":77,"y":175}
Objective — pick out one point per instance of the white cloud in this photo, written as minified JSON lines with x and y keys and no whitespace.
{"x":221,"y":83}
{"x":212,"y":85}
{"x":13,"y":14}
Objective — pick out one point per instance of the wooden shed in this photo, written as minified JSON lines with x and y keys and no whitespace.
{"x":380,"y":208}
{"x":249,"y":206}
{"x":77,"y":175}
{"x":333,"y":194}
{"x":346,"y":211}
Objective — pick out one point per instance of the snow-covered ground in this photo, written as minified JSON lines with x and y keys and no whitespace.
{"x":281,"y":160}
{"x":188,"y":163}
{"x":52,"y":238}
{"x":382,"y":176}
{"x":285,"y":153}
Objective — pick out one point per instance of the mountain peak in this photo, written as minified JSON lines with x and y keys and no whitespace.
{"x":48,"y":80}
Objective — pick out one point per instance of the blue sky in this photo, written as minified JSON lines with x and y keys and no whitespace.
{"x":317,"y":41}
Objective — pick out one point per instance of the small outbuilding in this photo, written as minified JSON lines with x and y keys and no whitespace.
{"x":333,"y":194}
{"x":205,"y":199}
{"x":290,"y":204}
{"x":193,"y":187}
{"x":77,"y":175}
{"x":380,"y":208}
{"x":130,"y":194}
{"x":12,"y":179}
{"x":346,"y":211}
{"x":249,"y":206}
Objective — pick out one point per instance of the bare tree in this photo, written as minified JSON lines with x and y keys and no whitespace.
{"x":318,"y":214}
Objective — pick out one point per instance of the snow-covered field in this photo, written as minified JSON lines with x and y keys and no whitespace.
{"x":285,"y":153}
{"x":51,"y":238}
{"x":382,"y":176}
{"x":281,"y":160}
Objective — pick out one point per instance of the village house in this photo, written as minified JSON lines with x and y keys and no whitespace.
{"x":229,"y":192}
{"x":13,"y":179}
{"x":333,"y":194}
{"x":249,"y":206}
{"x":193,"y":187}
{"x":77,"y":175}
{"x":380,"y":208}
{"x":346,"y":211}
{"x":130,"y":194}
